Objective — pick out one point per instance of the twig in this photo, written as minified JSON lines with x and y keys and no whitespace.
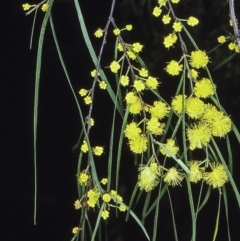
{"x":234,"y":22}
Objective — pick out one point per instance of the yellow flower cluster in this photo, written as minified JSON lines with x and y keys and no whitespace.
{"x":137,"y":141}
{"x":148,"y":177}
{"x":27,"y":7}
{"x":198,"y":59}
{"x":170,"y":40}
{"x":98,"y":33}
{"x":97,"y":150}
{"x":150,"y":174}
{"x":173,"y":177}
{"x":107,"y":197}
{"x":83,"y":178}
{"x":209,"y":121}
{"x":216,"y":177}
{"x":174,"y":68}
{"x":212,"y":122}
{"x":134,"y":103}
{"x":93,"y":196}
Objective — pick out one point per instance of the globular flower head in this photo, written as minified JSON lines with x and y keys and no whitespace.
{"x":124,"y":80}
{"x":178,"y":103}
{"x":162,"y":2}
{"x":157,"y":11}
{"x":221,"y":126}
{"x":196,"y":172}
{"x":194,"y":107}
{"x":166,"y":19}
{"x":152,"y":82}
{"x":210,"y":113}
{"x":98,"y":33}
{"x":173,"y":177}
{"x":45,"y":7}
{"x":170,"y":40}
{"x":103,"y":85}
{"x":97,"y":150}
{"x":148,"y":177}
{"x":174,"y":68}
{"x":83,"y":92}
{"x":221,"y":39}
{"x":122,"y":208}
{"x":217,"y":177}
{"x":77,"y":204}
{"x":83,"y":178}
{"x":143,"y":72}
{"x":136,"y":107}
{"x":177,"y":26}
{"x":198,"y":59}
{"x":114,"y":66}
{"x":154,"y":126}
{"x":93,"y":196}
{"x":159,"y":110}
{"x":204,"y":88}
{"x":104,"y":181}
{"x":106,"y":197}
{"x":88,"y":100}
{"x":116,"y":31}
{"x":75,"y":230}
{"x":231,"y":46}
{"x":84,"y":146}
{"x":139,"y":144}
{"x":199,"y":135}
{"x":171,"y":147}
{"x":132,"y":131}
{"x":138,"y":85}
{"x":26,"y":6}
{"x":129,"y":27}
{"x":105,"y":214}
{"x":192,"y":21}
{"x":137,"y":47}
{"x":131,"y":97}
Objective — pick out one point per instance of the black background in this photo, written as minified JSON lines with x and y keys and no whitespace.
{"x":59,"y":124}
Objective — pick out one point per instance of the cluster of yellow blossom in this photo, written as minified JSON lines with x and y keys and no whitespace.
{"x":97,"y":150}
{"x":198,"y":59}
{"x":150,"y":174}
{"x":216,"y":177}
{"x":134,"y":102}
{"x":99,"y":32}
{"x":177,"y":26}
{"x":137,"y":139}
{"x":233,"y":46}
{"x":44,"y":7}
{"x":209,"y":121}
{"x":86,"y":94}
{"x":92,"y":197}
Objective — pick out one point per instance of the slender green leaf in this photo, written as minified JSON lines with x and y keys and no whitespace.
{"x":36,"y":98}
{"x":217,"y":218}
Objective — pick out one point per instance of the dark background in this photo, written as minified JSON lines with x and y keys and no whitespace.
{"x":59,"y":124}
